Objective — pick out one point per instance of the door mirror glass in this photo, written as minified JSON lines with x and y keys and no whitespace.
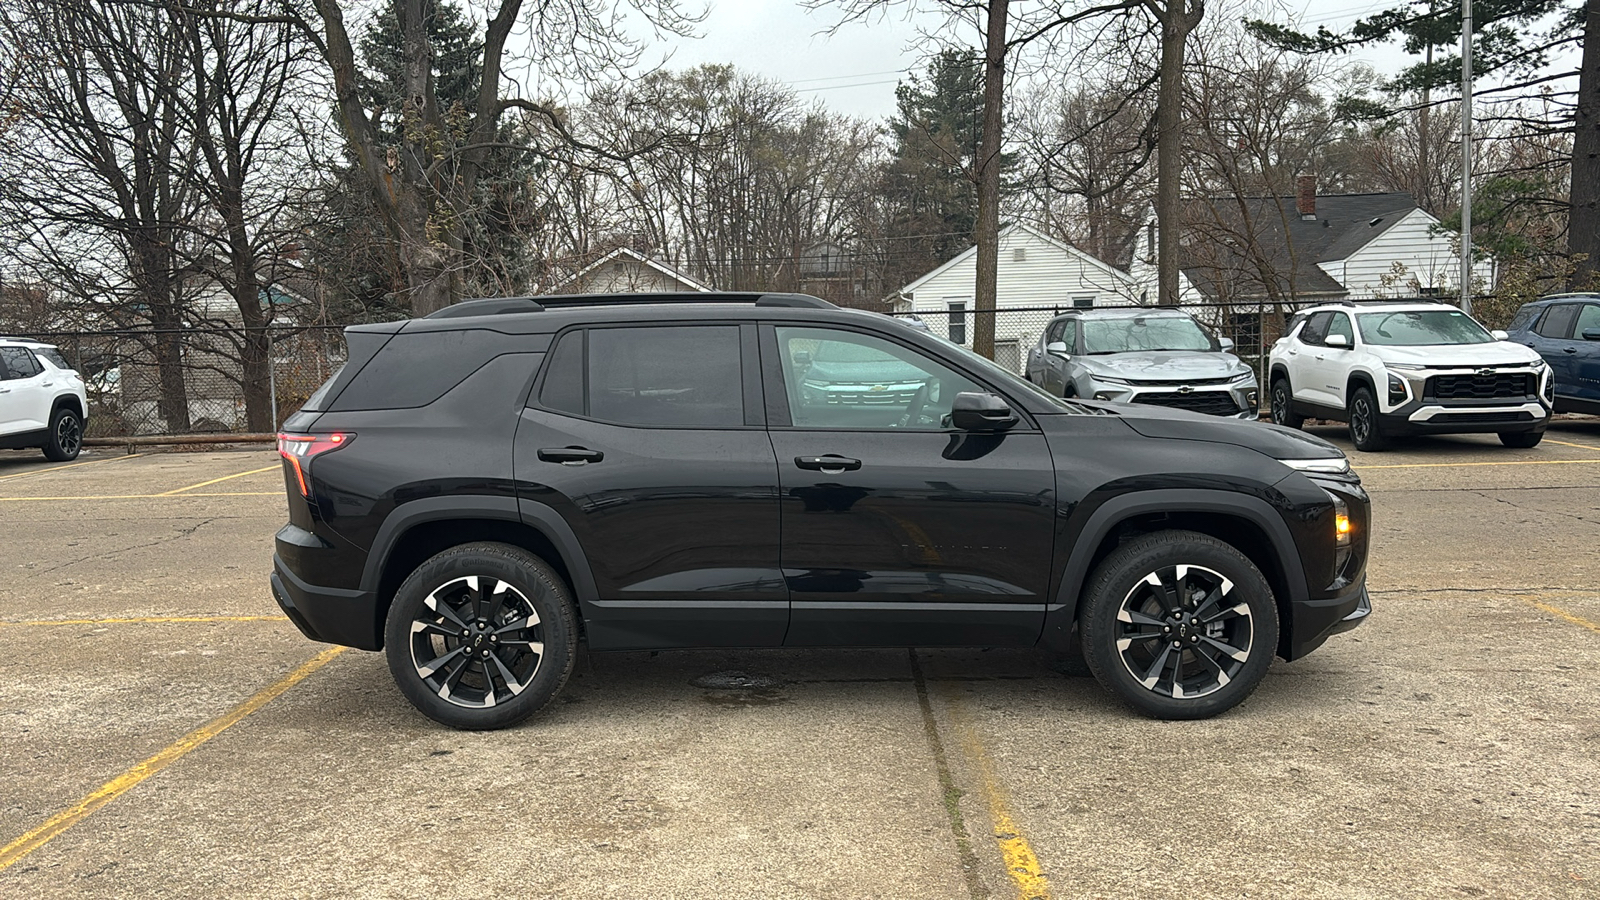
{"x":1226,"y":344}
{"x":1058,"y":348}
{"x":1338,"y":340}
{"x":1591,"y":334}
{"x":977,"y":411}
{"x":1499,"y":335}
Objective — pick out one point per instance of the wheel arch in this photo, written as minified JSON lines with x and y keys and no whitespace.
{"x":70,"y":401}
{"x":1248,"y":524}
{"x":1278,"y":371}
{"x":1361,"y":378}
{"x":419,"y":529}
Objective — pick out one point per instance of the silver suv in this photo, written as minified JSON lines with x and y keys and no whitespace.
{"x":1139,"y":355}
{"x":42,"y":400}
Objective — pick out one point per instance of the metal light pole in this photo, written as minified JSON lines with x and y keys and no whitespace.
{"x":1466,"y":156}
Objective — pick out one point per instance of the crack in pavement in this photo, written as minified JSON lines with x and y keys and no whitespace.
{"x":181,"y":533}
{"x":1558,"y":512}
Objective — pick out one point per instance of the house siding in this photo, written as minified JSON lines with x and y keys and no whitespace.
{"x":1425,"y":256}
{"x":1048,"y":275}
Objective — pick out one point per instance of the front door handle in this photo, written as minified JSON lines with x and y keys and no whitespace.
{"x":1569,"y":349}
{"x":570,"y":456}
{"x":832,"y":464}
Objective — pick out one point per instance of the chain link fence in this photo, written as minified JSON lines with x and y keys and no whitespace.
{"x":198,"y":380}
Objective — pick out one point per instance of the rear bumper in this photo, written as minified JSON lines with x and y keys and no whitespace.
{"x":1314,"y":621}
{"x":329,"y":615}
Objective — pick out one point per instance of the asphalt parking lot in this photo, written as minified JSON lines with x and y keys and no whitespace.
{"x":167,"y":733}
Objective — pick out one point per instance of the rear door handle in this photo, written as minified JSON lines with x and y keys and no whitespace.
{"x":570,"y":456}
{"x":832,"y":464}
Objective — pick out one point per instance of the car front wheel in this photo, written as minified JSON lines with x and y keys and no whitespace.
{"x":1179,"y":625}
{"x":481,"y":636}
{"x":1364,"y":430}
{"x":1521,"y":440}
{"x":1283,"y":405}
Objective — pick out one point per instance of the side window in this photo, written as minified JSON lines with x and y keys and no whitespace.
{"x":1316,"y":328}
{"x":18,"y":363}
{"x":1340,"y":324}
{"x":676,"y":376}
{"x":1523,"y":318}
{"x":562,"y":389}
{"x":840,"y":379}
{"x":1587,"y":319}
{"x":1557,"y":323}
{"x":1069,"y":335}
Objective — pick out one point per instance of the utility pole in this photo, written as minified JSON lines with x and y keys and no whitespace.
{"x":1466,"y":156}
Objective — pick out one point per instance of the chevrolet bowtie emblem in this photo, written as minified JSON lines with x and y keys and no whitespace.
{"x":1186,"y":390}
{"x":1485,"y":371}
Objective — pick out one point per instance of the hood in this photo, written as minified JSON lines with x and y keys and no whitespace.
{"x":1273,"y":440}
{"x":1498,"y":353}
{"x":1165,"y":365}
{"x":835,"y":371}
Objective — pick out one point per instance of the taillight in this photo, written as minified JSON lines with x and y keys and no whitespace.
{"x":299,"y":449}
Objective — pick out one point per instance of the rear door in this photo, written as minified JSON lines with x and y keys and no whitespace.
{"x":899,"y":530}
{"x":28,"y":388}
{"x":649,"y":441}
{"x":1302,"y":358}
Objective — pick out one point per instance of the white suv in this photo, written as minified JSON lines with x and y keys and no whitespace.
{"x":1407,"y":368}
{"x":42,"y":400}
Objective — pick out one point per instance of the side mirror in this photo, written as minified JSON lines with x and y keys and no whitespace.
{"x":1339,"y":341}
{"x":1591,"y":334}
{"x":1499,"y":335}
{"x":1058,"y":348}
{"x":974,"y":411}
{"x":1226,"y":344}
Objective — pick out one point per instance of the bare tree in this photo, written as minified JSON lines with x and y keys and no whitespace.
{"x":1178,"y":19}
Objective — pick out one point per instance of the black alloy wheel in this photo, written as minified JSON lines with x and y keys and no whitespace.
{"x":1364,"y":430}
{"x":1179,"y":625}
{"x":481,"y":636}
{"x":1521,"y":440}
{"x":66,"y":436}
{"x":1283,"y":405}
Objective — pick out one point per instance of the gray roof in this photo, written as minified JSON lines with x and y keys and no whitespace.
{"x":1237,"y":246}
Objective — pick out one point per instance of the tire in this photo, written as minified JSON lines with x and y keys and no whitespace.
{"x":1282,"y":400}
{"x":1069,"y":391}
{"x":516,"y":671}
{"x":1129,"y":600}
{"x":1365,"y":431}
{"x":1521,"y":440}
{"x":66,"y":436}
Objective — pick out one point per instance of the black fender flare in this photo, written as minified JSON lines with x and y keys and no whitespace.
{"x":1062,"y":615}
{"x":480,"y":506}
{"x":1278,"y":370}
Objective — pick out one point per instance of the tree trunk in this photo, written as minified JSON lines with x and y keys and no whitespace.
{"x":989,"y":160}
{"x":1583,"y":226}
{"x":1176,"y":23}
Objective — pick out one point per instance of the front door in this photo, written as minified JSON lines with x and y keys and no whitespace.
{"x":899,"y":530}
{"x":26,"y":389}
{"x":649,"y":441}
{"x":1585,"y":363}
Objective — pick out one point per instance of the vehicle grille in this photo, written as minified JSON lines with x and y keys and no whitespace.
{"x":1482,"y":418}
{"x":1183,"y":381}
{"x":1504,"y":385}
{"x":1212,"y":403}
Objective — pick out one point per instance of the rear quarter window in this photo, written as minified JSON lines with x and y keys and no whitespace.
{"x":414,"y":370}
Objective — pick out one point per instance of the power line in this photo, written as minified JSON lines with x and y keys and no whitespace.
{"x":847,"y":77}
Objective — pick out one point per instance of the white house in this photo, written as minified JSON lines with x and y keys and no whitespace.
{"x":1038,"y":275}
{"x":627,"y":271}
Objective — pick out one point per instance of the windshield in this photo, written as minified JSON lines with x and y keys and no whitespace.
{"x":1144,"y":333}
{"x":1424,"y":328}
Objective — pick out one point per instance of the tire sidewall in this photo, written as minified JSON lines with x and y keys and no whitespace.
{"x":53,"y":450}
{"x":1374,"y":438}
{"x":1123,"y":569}
{"x":528,"y":574}
{"x":1288,"y":419}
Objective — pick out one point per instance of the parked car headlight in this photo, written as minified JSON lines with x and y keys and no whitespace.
{"x":1246,"y":375}
{"x":1397,"y":389}
{"x":1107,"y":379}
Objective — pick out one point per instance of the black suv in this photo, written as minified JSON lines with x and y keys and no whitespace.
{"x":477,"y":490}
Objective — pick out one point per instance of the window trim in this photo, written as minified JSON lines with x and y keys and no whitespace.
{"x":778,"y":414}
{"x":749,"y":368}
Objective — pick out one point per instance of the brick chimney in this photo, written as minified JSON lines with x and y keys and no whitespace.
{"x":1305,"y":196}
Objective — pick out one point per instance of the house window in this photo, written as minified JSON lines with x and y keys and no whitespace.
{"x":1082,"y":301}
{"x":1019,"y":254}
{"x":1245,"y":329}
{"x":958,"y":323}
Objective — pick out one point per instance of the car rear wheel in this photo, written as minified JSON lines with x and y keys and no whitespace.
{"x":481,"y":636}
{"x":1179,"y":625}
{"x":66,"y":436}
{"x":1283,"y":405}
{"x":1364,"y":430}
{"x":1521,"y":440}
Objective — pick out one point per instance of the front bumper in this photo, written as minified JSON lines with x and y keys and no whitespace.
{"x":1461,"y":418}
{"x":329,"y":615}
{"x":1312,"y":622}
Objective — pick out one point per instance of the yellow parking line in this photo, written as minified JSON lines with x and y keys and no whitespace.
{"x":271,"y":468}
{"x":1561,"y":613}
{"x":1020,"y":862}
{"x":146,"y":496}
{"x":1551,"y":440}
{"x":130,"y":779}
{"x":143,"y":620}
{"x":69,"y":466}
{"x":1528,"y":462}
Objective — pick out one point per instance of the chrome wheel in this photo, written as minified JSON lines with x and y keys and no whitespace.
{"x":1180,"y":634}
{"x":1360,"y":420}
{"x":477,"y":641}
{"x":69,"y":435}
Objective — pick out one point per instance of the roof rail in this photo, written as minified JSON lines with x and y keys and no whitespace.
{"x":494,"y":306}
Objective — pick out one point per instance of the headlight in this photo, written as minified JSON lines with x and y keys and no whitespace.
{"x":1242,"y":376}
{"x":1539,"y":365}
{"x":1406,"y":367}
{"x":1397,"y":390}
{"x":1337,"y":465}
{"x":1107,"y":379}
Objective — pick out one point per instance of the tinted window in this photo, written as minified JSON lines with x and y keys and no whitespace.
{"x":1340,"y":324}
{"x":687,"y":377}
{"x":1523,"y":318}
{"x":563,"y":378}
{"x":1316,"y":328}
{"x":1557,"y":323}
{"x":17,"y":362}
{"x":1588,"y":318}
{"x":840,"y":379}
{"x":55,"y":358}
{"x":416,"y":369}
